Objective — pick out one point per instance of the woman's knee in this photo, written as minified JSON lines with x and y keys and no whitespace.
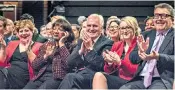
{"x":99,"y":77}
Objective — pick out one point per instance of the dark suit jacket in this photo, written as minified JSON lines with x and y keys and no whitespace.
{"x":57,"y":59}
{"x":93,"y":59}
{"x":12,"y":39}
{"x":165,"y":64}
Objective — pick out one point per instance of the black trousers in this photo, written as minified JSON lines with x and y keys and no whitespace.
{"x":45,"y":82}
{"x":3,"y":80}
{"x":137,"y":83}
{"x":79,"y":80}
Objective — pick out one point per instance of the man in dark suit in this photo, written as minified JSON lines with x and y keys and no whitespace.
{"x":86,"y":56}
{"x":155,"y":54}
{"x":8,"y":32}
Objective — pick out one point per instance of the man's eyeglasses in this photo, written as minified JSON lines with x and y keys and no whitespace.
{"x":163,"y":16}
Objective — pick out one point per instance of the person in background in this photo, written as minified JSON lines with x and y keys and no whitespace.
{"x":43,"y":31}
{"x":3,"y":23}
{"x":76,"y":31}
{"x":14,"y":31}
{"x":111,"y":18}
{"x":149,"y":25}
{"x":118,"y":68}
{"x":16,"y":59}
{"x":113,"y":30}
{"x":56,"y":17}
{"x":81,"y":19}
{"x":83,"y":27}
{"x":8,"y":32}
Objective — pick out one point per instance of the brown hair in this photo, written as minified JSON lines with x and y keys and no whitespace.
{"x":167,"y":6}
{"x":25,"y":23}
{"x":4,"y":20}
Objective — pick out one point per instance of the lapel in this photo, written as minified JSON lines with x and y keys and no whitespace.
{"x":99,"y":43}
{"x":151,"y":36}
{"x":35,"y":47}
{"x":166,"y":40}
{"x":11,"y":48}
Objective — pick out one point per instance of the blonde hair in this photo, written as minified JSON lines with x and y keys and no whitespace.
{"x":25,"y":23}
{"x":132,"y":22}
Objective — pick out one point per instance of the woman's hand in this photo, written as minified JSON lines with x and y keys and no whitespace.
{"x":63,"y":39}
{"x":111,"y":57}
{"x":49,"y":49}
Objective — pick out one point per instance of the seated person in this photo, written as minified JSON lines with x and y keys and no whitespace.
{"x":51,"y":62}
{"x":118,"y":68}
{"x":15,"y":62}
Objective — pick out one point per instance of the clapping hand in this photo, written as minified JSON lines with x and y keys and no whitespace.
{"x":88,"y":42}
{"x":49,"y":49}
{"x":152,"y":55}
{"x":142,"y":44}
{"x":86,"y":45}
{"x":111,"y":57}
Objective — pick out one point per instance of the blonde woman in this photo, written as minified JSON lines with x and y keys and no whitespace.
{"x":118,"y":68}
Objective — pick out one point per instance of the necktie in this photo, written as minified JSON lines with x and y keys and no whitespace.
{"x":152,"y":63}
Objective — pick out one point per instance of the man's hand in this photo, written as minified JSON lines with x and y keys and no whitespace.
{"x":142,"y":44}
{"x":152,"y":55}
{"x":82,"y":49}
{"x":88,"y":43}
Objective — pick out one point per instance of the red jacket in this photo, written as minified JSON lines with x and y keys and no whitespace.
{"x":126,"y":69}
{"x":10,"y":50}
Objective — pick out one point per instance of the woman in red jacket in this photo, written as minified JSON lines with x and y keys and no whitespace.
{"x":118,"y":68}
{"x":16,"y":58}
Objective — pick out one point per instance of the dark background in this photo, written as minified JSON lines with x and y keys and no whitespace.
{"x":74,"y":9}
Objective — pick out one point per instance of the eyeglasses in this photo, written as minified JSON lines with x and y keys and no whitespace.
{"x":125,"y":28}
{"x":113,"y":27}
{"x":163,"y":16}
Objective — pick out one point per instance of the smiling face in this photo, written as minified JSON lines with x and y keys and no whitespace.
{"x":58,"y":32}
{"x":162,"y":19}
{"x":25,"y":34}
{"x":113,"y":30}
{"x":149,"y":25}
{"x":94,"y":28}
{"x":126,"y":31}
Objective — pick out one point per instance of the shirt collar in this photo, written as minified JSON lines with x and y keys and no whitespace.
{"x":95,"y":40}
{"x":164,"y":32}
